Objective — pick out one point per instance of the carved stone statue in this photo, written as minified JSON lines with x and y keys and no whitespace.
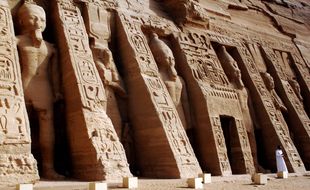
{"x":38,"y":61}
{"x":270,"y":86}
{"x":112,"y":84}
{"x":234,"y":75}
{"x":279,"y":105}
{"x":98,"y":28}
{"x":174,"y":83}
{"x":293,"y":82}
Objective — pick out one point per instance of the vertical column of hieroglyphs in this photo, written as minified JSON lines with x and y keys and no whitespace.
{"x":95,"y":147}
{"x":17,"y":164}
{"x":245,"y":146}
{"x":295,"y":108}
{"x":220,"y":145}
{"x":303,"y":71}
{"x":206,"y":71}
{"x":158,"y":128}
{"x":302,"y":63}
{"x":274,"y":125}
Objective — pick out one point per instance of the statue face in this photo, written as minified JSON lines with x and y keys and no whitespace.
{"x":154,"y":35}
{"x":237,"y":73}
{"x":32,"y":18}
{"x":269,"y":81}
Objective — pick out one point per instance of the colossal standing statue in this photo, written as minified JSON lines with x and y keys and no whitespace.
{"x":112,"y":84}
{"x":97,"y":22}
{"x":38,"y":60}
{"x":275,"y":98}
{"x":174,"y":83}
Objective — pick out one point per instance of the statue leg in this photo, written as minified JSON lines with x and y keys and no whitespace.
{"x":253,"y":148}
{"x":47,"y":141}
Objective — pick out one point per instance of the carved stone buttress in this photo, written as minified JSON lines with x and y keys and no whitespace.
{"x":95,"y":146}
{"x":17,"y":165}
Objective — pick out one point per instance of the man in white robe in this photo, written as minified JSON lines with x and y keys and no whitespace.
{"x":281,"y":166}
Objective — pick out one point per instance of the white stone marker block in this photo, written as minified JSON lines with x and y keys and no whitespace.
{"x":195,"y":183}
{"x":130,"y":182}
{"x":283,"y":175}
{"x":25,"y":187}
{"x":98,"y":186}
{"x":206,"y":177}
{"x":260,"y":179}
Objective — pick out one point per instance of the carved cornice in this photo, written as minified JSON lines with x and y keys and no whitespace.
{"x":108,"y":4}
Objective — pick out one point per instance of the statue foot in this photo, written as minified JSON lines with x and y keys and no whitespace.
{"x":51,"y":174}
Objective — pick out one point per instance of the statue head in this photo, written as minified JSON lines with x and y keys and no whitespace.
{"x":236,"y":75}
{"x":268,"y":81}
{"x":31,"y":18}
{"x":153,"y":35}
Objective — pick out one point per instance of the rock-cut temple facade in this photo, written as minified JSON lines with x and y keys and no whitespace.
{"x":101,"y":89}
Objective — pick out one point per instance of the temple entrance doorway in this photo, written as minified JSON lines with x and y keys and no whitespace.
{"x":234,"y":151}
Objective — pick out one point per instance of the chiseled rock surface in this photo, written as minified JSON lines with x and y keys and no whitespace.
{"x":102,"y":89}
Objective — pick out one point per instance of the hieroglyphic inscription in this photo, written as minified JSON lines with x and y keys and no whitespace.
{"x":275,"y":117}
{"x":212,"y":80}
{"x":220,"y":144}
{"x":172,"y":124}
{"x":109,"y":150}
{"x":17,"y":164}
{"x":286,"y":74}
{"x":143,"y":53}
{"x":101,"y":3}
{"x":245,"y":146}
{"x":168,"y":115}
{"x":14,"y":126}
{"x":220,"y":91}
{"x":202,"y":59}
{"x":275,"y":60}
{"x":290,"y":88}
{"x":91,"y":89}
{"x":16,"y":159}
{"x":303,"y":70}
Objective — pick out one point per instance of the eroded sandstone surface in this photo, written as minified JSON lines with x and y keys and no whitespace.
{"x":101,"y":89}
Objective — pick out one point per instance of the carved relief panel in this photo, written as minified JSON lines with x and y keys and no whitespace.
{"x":107,"y":4}
{"x":17,"y":163}
{"x":276,"y":117}
{"x":165,"y":110}
{"x":13,"y":120}
{"x":245,"y":146}
{"x":91,"y":95}
{"x":215,"y":86}
{"x":220,"y":144}
{"x":291,"y":94}
{"x":253,"y":70}
{"x":98,"y":25}
{"x":283,"y":66}
{"x":202,"y":59}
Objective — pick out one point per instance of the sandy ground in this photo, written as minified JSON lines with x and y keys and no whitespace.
{"x":235,"y":182}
